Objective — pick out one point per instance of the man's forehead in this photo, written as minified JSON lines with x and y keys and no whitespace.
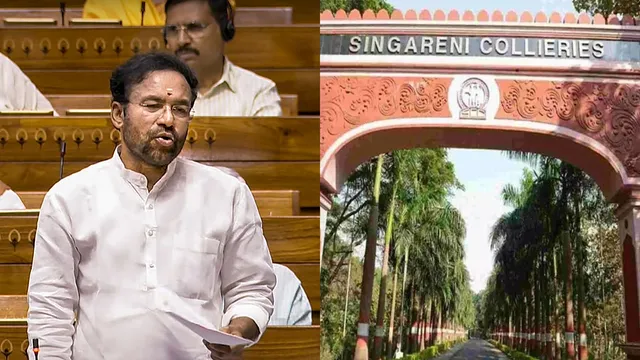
{"x":162,"y":83}
{"x":189,"y":11}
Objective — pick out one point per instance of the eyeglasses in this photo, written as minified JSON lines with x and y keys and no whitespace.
{"x":182,"y":113}
{"x":194,"y":30}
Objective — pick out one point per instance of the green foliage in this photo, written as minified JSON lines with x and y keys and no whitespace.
{"x":511,"y":353}
{"x":427,"y":228}
{"x":361,"y":5}
{"x":607,"y":7}
{"x":433,"y":351}
{"x":556,"y":207}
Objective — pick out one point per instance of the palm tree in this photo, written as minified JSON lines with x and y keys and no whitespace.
{"x":362,"y":351}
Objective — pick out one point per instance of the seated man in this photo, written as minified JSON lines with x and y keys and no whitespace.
{"x":197,"y":30}
{"x":9,"y":200}
{"x":291,"y":305}
{"x":128,"y":11}
{"x":17,"y":91}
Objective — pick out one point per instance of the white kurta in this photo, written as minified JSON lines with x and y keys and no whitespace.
{"x":17,"y":92}
{"x":292,"y":305}
{"x":239,"y":92}
{"x":123,"y":258}
{"x":9,"y":200}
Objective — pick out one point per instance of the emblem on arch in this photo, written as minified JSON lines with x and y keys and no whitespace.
{"x":473,"y":97}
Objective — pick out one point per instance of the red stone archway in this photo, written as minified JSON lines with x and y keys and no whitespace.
{"x":583,"y":111}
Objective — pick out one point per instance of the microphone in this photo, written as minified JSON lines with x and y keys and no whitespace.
{"x":143,"y":7}
{"x":36,"y":348}
{"x":63,"y":151}
{"x":63,"y":7}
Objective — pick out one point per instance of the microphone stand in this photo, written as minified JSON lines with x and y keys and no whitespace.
{"x":63,"y":7}
{"x":143,"y":6}
{"x":36,"y":348}
{"x":63,"y":151}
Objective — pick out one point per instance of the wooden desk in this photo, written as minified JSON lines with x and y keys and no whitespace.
{"x":304,"y":11}
{"x":245,"y":16}
{"x":269,"y":202}
{"x":269,"y":153}
{"x":278,"y":342}
{"x":64,"y":102}
{"x":293,"y":242}
{"x":264,"y":47}
{"x":305,"y":83}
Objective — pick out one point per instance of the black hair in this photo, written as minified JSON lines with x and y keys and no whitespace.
{"x":220,"y":9}
{"x":138,"y":67}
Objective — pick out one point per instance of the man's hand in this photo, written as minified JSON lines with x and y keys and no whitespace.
{"x":243,"y":327}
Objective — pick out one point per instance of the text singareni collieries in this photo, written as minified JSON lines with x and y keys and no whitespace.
{"x":501,"y":46}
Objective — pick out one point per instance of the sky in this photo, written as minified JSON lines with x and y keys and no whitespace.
{"x":483,"y":172}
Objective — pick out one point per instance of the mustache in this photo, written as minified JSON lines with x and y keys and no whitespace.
{"x":187,"y":49}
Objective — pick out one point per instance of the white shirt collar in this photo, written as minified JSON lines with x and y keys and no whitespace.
{"x":137,"y":178}
{"x":227,"y":77}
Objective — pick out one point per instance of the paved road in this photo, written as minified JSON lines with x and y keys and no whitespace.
{"x":473,"y":349}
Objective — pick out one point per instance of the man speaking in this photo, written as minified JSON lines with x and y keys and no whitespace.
{"x":131,"y":250}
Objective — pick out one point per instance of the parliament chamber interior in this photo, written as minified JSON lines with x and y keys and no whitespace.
{"x":70,"y":61}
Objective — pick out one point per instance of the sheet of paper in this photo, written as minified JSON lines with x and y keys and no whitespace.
{"x":211,"y":335}
{"x":173,"y":305}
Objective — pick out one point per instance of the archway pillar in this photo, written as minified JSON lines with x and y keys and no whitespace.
{"x":629,"y":234}
{"x":326,"y":201}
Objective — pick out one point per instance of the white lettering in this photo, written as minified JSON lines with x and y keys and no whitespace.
{"x":549,"y":49}
{"x":584,"y":48}
{"x":427,"y":43}
{"x":411,"y":45}
{"x":563,"y":47}
{"x":598,"y":49}
{"x":354,"y":44}
{"x":441,"y":45}
{"x":540,"y":53}
{"x":377,"y":44}
{"x":514,"y":49}
{"x":394,"y":45}
{"x":502,"y":46}
{"x":456,"y":45}
{"x":527,"y":51}
{"x":485,"y":51}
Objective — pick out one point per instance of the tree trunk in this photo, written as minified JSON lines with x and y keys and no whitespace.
{"x":568,"y":294}
{"x":393,"y":313}
{"x":532,"y":318}
{"x":557,"y":348}
{"x":404,"y":281}
{"x":433,"y":324}
{"x":413,"y":320}
{"x":582,"y":311}
{"x":346,"y":300}
{"x":362,"y":349}
{"x":419,"y":316}
{"x":548,"y":297}
{"x":537,"y":294}
{"x":523,"y":339}
{"x":377,"y":342}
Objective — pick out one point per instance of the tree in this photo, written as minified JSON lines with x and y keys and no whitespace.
{"x":555,"y":235}
{"x":360,"y":5}
{"x":608,"y":7}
